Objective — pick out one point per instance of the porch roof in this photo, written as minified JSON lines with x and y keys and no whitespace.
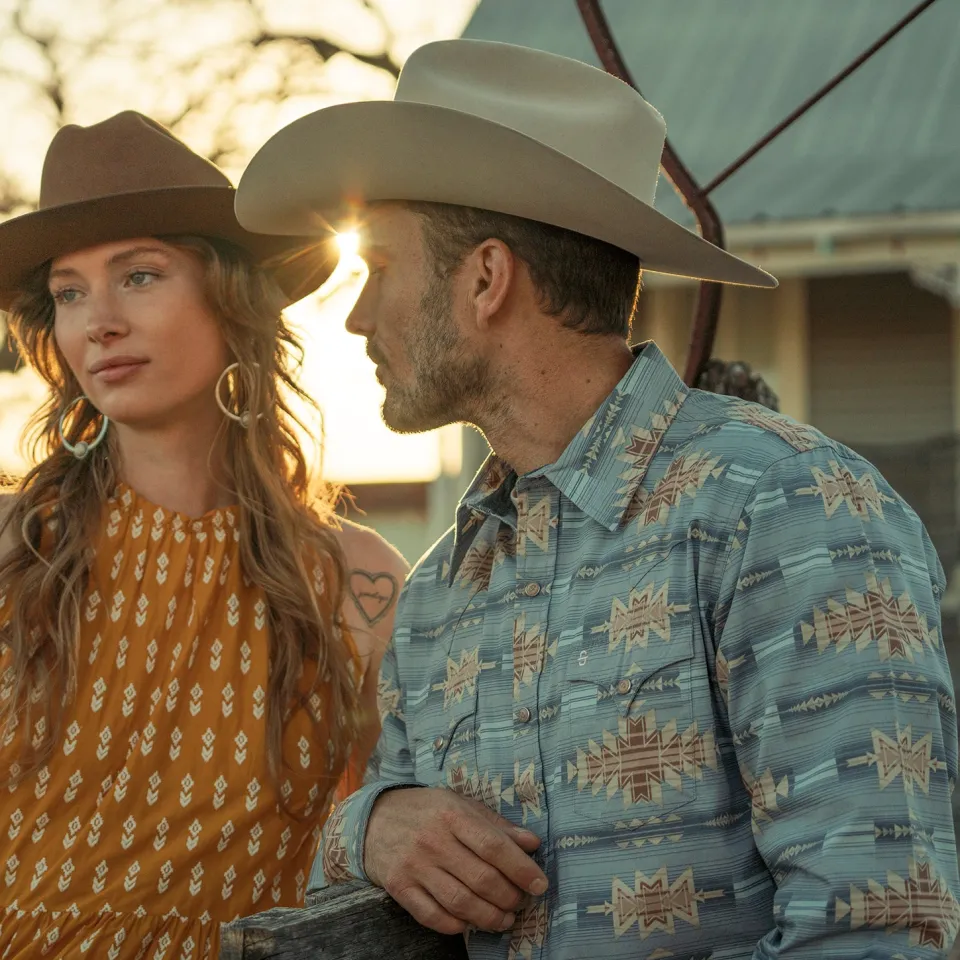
{"x":723,"y":72}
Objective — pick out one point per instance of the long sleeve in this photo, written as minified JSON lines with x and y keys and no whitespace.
{"x":340,"y":858}
{"x":841,"y":707}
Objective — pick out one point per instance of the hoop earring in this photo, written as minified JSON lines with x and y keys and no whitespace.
{"x":81,"y":448}
{"x":243,"y":418}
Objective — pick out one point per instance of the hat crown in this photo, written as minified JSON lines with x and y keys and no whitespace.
{"x":572,"y":107}
{"x":128,"y":153}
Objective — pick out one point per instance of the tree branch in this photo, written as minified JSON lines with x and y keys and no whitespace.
{"x":325,"y":49}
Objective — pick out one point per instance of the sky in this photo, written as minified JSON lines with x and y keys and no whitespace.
{"x":158,"y":56}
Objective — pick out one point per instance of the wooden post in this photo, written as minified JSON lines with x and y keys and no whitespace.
{"x":346,"y":922}
{"x":792,"y":347}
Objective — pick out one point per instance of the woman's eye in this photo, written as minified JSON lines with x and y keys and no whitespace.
{"x":66,"y":295}
{"x":141,"y":278}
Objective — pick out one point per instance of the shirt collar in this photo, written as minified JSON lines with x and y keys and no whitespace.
{"x":603,"y":466}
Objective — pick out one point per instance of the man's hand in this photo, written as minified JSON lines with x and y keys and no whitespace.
{"x":450,"y":862}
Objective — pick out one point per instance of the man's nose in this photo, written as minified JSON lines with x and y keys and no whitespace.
{"x":359,"y":321}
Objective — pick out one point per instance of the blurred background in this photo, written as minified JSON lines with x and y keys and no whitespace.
{"x":856,"y":208}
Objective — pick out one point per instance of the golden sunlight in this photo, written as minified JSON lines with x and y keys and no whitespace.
{"x":349,"y":244}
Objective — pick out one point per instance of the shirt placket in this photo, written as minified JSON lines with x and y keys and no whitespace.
{"x":537,"y":505}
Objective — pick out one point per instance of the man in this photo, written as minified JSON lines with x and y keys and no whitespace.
{"x":673,"y":685}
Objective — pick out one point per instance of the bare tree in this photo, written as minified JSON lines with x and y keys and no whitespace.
{"x":215,"y":71}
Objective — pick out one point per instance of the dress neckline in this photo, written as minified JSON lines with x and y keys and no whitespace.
{"x":126,"y":499}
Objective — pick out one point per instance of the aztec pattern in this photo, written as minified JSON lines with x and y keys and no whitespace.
{"x":700,"y":657}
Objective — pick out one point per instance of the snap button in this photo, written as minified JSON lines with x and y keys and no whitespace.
{"x":438,"y":743}
{"x":624,"y":686}
{"x":531,"y":589}
{"x":523,"y":714}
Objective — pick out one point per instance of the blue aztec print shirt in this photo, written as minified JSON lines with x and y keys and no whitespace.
{"x":699,"y":655}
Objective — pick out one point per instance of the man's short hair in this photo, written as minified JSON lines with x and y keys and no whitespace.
{"x":591,"y":285}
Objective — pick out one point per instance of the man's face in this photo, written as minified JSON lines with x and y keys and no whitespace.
{"x":431,"y":371}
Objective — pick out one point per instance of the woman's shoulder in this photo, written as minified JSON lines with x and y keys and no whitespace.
{"x":365,"y":549}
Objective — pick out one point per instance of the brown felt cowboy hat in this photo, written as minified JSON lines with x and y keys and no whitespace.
{"x":127,"y":177}
{"x":495,"y":126}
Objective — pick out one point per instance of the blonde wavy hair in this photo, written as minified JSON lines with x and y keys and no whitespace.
{"x":287,"y":528}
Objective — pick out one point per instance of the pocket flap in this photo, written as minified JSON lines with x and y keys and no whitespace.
{"x":625,"y":671}
{"x":432,"y":732}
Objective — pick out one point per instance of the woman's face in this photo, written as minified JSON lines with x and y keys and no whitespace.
{"x":133,"y":323}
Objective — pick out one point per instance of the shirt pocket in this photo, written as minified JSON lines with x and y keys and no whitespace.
{"x":443,"y":727}
{"x":443,"y":744}
{"x":633,"y":745}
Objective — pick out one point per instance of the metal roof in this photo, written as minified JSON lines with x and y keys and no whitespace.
{"x":723,"y":72}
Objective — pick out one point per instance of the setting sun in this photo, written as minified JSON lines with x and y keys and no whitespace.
{"x":349,"y":243}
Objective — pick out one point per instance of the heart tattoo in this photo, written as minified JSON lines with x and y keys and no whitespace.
{"x":372,"y":593}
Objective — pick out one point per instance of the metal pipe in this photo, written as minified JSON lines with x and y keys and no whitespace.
{"x":709,"y":294}
{"x":819,"y":95}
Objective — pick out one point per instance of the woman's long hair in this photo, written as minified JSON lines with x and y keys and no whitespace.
{"x":287,"y":530}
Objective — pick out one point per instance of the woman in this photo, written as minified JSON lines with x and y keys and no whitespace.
{"x":186,"y":672}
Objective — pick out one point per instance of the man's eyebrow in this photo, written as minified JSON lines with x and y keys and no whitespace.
{"x":122,"y":257}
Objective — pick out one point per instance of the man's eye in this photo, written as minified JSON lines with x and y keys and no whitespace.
{"x":141,"y":278}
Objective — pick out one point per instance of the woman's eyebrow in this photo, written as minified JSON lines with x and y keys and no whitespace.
{"x":122,"y":257}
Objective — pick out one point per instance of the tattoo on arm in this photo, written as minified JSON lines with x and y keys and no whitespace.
{"x":373,"y":594}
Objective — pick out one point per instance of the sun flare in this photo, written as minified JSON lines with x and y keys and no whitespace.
{"x":349,"y":243}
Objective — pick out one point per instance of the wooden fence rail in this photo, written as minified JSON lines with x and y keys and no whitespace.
{"x":347,"y":922}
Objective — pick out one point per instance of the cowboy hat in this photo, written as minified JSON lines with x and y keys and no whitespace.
{"x":496,"y":126}
{"x":127,"y":177}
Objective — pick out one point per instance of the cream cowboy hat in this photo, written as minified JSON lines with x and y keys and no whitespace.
{"x":495,"y":126}
{"x":129,"y":176}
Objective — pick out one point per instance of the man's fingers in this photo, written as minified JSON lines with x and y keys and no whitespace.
{"x":500,"y":850}
{"x":427,"y":912}
{"x":525,"y":838}
{"x":486,"y":881}
{"x":461,"y":902}
{"x":527,"y":841}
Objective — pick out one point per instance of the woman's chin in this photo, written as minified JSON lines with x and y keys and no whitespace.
{"x":135,"y":413}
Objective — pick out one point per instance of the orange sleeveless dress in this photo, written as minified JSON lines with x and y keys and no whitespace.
{"x":156,"y":818}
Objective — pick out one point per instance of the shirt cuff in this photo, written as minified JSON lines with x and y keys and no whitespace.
{"x":340,"y":857}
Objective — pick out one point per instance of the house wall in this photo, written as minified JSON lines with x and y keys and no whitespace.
{"x":881,"y":366}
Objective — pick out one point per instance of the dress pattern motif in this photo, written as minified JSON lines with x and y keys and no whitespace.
{"x":156,"y":818}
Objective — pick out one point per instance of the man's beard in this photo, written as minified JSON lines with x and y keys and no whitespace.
{"x":449,"y":385}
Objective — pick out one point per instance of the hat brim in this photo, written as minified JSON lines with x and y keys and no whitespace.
{"x":311,"y":172}
{"x":299,"y":264}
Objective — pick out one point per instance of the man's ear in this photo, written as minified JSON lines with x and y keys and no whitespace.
{"x":492,"y":267}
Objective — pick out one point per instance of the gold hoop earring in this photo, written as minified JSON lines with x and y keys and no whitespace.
{"x":243,"y":418}
{"x":81,"y":448}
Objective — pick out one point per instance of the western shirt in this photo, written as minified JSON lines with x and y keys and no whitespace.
{"x":700,"y":657}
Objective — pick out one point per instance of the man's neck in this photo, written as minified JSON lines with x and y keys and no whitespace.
{"x":173,"y":468}
{"x":548,"y":401}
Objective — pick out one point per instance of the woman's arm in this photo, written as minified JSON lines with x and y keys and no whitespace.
{"x":376,"y":572}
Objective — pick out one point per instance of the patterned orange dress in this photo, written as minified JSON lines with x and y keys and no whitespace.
{"x":156,"y":819}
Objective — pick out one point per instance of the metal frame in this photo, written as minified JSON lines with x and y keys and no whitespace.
{"x":697,"y":198}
